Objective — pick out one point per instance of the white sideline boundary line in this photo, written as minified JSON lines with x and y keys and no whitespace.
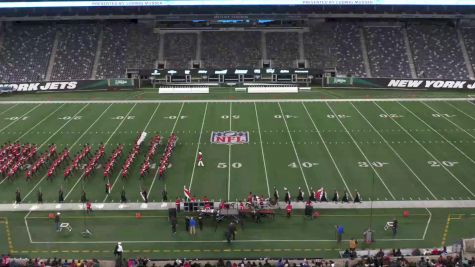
{"x":328,"y":151}
{"x":49,"y":138}
{"x":459,"y":110}
{"x":229,"y":149}
{"x":449,"y":120}
{"x":40,"y":122}
{"x":394,"y":151}
{"x":27,"y":227}
{"x":6,"y":110}
{"x":426,"y":150}
{"x":156,"y":173}
{"x":215,"y":241}
{"x":427,"y":225}
{"x":235,"y":100}
{"x":198,"y":147}
{"x":19,"y":118}
{"x":362,"y":153}
{"x":435,"y":131}
{"x":262,"y":150}
{"x":293,"y":146}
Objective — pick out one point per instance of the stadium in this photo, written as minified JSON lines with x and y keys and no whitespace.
{"x":237,"y":133}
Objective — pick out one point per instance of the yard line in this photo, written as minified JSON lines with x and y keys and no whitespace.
{"x":158,"y":167}
{"x":361,"y":151}
{"x":84,"y":133}
{"x":198,"y":147}
{"x":461,"y":111}
{"x":293,"y":145}
{"x":229,"y":150}
{"x":443,"y":137}
{"x":153,"y":115}
{"x":28,"y":228}
{"x":426,"y":150}
{"x":394,"y":151}
{"x":328,"y":150}
{"x":6,"y":110}
{"x":449,"y":120}
{"x":262,"y":149}
{"x":120,"y":124}
{"x":296,"y":100}
{"x":105,"y":144}
{"x":46,"y":141}
{"x":427,"y":225}
{"x":22,"y":116}
{"x":40,"y":122}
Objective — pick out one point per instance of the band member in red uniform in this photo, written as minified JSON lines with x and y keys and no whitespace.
{"x":289,"y":209}
{"x":200,"y":159}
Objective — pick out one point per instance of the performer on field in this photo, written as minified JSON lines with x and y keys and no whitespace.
{"x":200,"y":159}
{"x":336,"y":197}
{"x":300,"y":195}
{"x":18,"y":196}
{"x":276,"y":195}
{"x":357,"y":197}
{"x":345,"y":197}
{"x":61,"y":195}
{"x":40,"y":196}
{"x":312,"y":195}
{"x":123,"y":198}
{"x":287,"y":195}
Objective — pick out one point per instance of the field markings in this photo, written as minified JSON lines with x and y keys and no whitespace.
{"x":46,"y":141}
{"x":40,"y":122}
{"x":158,"y":167}
{"x":6,"y":110}
{"x":426,"y":150}
{"x":449,"y":120}
{"x":394,"y":151}
{"x":113,"y":133}
{"x":427,"y":225}
{"x":198,"y":147}
{"x":229,"y":149}
{"x":328,"y":150}
{"x":262,"y":149}
{"x":216,"y":241}
{"x":296,"y":100}
{"x":27,"y":227}
{"x":459,"y":110}
{"x":361,"y":151}
{"x":105,"y":144}
{"x":293,"y":146}
{"x":435,"y":131}
{"x":19,"y":118}
{"x":64,"y":125}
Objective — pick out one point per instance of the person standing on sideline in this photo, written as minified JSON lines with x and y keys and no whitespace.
{"x":118,"y":251}
{"x":40,"y":196}
{"x":177,"y":204}
{"x":394,"y":228}
{"x":173,"y":221}
{"x":57,"y":221}
{"x":200,"y":222}
{"x":61,"y":195}
{"x":187,"y":223}
{"x":339,"y":233}
{"x":17,"y":196}
{"x":289,"y":209}
{"x":192,"y":226}
{"x":200,"y":159}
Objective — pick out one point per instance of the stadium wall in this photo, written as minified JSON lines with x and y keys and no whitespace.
{"x":388,"y":83}
{"x":74,"y":85}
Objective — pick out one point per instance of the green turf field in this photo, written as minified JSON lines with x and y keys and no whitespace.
{"x":387,"y":150}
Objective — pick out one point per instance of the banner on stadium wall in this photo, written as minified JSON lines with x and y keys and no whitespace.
{"x":416,"y":84}
{"x":65,"y":86}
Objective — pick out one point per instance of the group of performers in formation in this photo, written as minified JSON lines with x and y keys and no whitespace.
{"x":15,"y":157}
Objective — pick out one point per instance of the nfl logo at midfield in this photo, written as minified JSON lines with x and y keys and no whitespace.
{"x":230,"y":137}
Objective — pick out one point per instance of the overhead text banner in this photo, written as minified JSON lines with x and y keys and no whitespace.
{"x":417,"y":84}
{"x":65,"y":86}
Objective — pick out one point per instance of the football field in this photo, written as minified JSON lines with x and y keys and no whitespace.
{"x":393,"y":148}
{"x":377,"y":148}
